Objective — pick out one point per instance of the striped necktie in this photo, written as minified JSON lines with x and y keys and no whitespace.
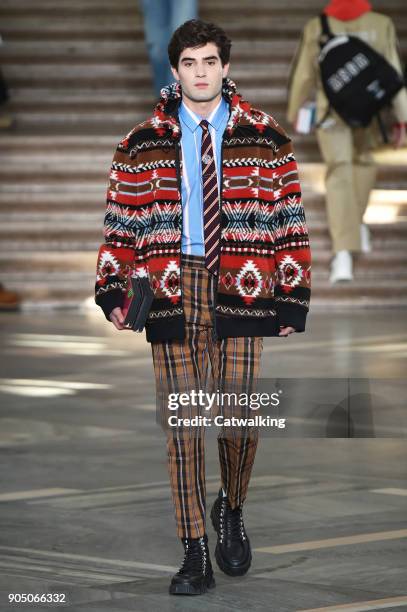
{"x":211,"y":211}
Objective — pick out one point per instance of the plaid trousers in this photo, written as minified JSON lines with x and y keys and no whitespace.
{"x":183,"y":365}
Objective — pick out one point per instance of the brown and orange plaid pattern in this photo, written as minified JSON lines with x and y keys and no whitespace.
{"x":203,"y":362}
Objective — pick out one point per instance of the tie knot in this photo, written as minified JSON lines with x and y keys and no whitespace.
{"x":204,"y":125}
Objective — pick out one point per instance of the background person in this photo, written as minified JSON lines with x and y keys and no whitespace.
{"x":161,"y":18}
{"x":346,"y":151}
{"x":6,"y":119}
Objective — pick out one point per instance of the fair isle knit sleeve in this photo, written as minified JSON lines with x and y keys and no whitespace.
{"x":292,"y":251}
{"x":116,"y":255}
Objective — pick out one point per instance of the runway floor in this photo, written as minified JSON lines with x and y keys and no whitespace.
{"x":85,"y":506}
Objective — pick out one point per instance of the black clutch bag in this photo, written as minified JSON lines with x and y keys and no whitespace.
{"x":137,"y":303}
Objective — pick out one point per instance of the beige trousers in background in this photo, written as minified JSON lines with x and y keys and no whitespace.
{"x":350,"y":176}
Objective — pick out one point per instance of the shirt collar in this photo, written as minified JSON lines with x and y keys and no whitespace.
{"x":192,"y":120}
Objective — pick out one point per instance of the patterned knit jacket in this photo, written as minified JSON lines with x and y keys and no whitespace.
{"x":263,"y":278}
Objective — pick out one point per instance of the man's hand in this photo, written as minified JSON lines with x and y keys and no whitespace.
{"x":117,"y":318}
{"x":286,"y":331}
{"x":399,"y":135}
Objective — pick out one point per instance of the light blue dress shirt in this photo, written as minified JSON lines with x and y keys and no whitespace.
{"x":192,"y":196}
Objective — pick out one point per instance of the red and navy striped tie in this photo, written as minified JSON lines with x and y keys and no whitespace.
{"x":211,"y":211}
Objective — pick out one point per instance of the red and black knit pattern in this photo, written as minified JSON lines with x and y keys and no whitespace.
{"x":264,"y":267}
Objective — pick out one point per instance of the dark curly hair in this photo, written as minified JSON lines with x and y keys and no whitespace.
{"x":196,"y":33}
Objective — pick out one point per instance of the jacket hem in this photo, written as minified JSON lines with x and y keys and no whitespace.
{"x":170,"y":329}
{"x":234,"y":327}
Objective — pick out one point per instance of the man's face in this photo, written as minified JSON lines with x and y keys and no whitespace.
{"x":200,"y":72}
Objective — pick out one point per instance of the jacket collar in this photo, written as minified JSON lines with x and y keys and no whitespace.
{"x":165,"y":117}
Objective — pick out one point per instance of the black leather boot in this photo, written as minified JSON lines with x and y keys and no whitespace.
{"x":195,"y":575}
{"x":233,"y":552}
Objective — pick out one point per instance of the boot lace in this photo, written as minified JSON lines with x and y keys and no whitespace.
{"x":195,"y":556}
{"x":231,"y":524}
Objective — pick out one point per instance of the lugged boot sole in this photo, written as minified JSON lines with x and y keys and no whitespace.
{"x":190,"y":589}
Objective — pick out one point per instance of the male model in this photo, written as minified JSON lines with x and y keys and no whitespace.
{"x":204,"y":200}
{"x":346,"y":151}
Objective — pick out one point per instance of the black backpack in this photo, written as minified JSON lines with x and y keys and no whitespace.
{"x":357,"y":80}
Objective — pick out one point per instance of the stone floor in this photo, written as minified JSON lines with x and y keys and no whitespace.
{"x":85,"y":507}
